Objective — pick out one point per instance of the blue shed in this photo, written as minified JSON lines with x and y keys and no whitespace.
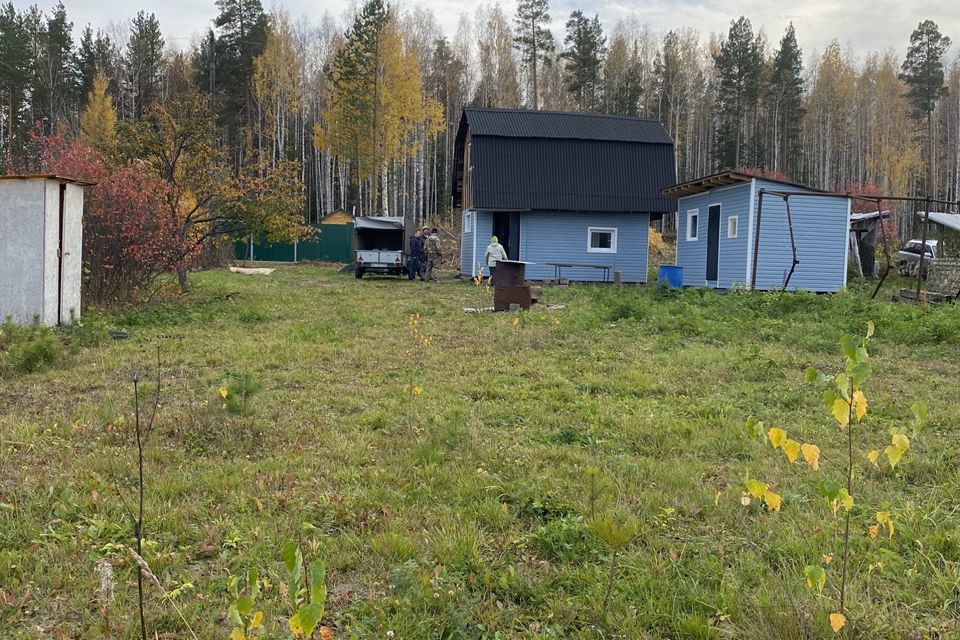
{"x":574,"y":189}
{"x":721,"y":226}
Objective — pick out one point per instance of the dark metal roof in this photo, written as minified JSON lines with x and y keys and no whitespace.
{"x":523,"y":123}
{"x":722,"y":179}
{"x":555,"y":161}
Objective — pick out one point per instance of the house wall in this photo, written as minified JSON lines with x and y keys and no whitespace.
{"x":467,"y":235}
{"x":820,"y":232}
{"x":473,"y":243}
{"x":820,"y":228}
{"x":563,"y":237}
{"x":734,"y":201}
{"x":21,"y":249}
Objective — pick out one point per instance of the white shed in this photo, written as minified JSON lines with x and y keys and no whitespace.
{"x":41,"y":243}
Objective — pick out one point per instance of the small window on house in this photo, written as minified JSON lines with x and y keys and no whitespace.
{"x":469,"y":156}
{"x":732,"y":227}
{"x":468,"y":222}
{"x":601,"y":240}
{"x":693,"y":224}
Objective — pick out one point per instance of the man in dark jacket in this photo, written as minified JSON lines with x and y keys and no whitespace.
{"x":415,"y":257}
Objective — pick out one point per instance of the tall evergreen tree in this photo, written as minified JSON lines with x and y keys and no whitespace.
{"x":923,"y":73}
{"x":586,"y":49}
{"x":739,"y":64}
{"x":96,"y":53}
{"x":785,"y":98}
{"x":240,"y":36}
{"x":144,"y":61}
{"x":15,"y":78}
{"x":56,"y":90}
{"x":533,"y":39}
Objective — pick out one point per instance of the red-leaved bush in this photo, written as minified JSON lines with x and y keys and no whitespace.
{"x":129,"y":237}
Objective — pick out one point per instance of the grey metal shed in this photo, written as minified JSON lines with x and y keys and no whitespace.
{"x":41,"y":247}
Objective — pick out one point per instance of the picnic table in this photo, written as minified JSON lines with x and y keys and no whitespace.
{"x":559,"y":266}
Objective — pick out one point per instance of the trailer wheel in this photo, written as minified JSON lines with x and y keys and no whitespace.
{"x":359,"y":273}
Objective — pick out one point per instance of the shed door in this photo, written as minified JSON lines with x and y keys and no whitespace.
{"x":713,"y":243}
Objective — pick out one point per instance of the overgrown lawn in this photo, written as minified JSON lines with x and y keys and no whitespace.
{"x":462,"y":512}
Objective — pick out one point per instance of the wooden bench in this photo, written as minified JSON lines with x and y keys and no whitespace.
{"x":559,"y":266}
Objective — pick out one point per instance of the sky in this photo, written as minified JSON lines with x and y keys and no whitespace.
{"x":864,"y":25}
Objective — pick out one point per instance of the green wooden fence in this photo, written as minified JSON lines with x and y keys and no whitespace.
{"x":330,"y":243}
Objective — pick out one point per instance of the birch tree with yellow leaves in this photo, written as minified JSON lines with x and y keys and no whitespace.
{"x":377,"y":112}
{"x":277,"y":90}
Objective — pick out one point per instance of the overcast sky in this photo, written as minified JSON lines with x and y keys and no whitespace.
{"x":866,"y":25}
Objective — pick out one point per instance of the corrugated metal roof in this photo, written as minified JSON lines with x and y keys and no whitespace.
{"x":551,"y":161}
{"x":388,"y":223}
{"x":949,"y":220}
{"x":522,"y":123}
{"x":722,"y":179}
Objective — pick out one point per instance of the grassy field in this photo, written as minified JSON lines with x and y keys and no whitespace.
{"x":463,"y":512}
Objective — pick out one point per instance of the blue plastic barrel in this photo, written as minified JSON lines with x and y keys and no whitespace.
{"x":670,"y":275}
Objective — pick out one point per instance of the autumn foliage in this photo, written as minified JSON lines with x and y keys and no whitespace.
{"x":129,"y":237}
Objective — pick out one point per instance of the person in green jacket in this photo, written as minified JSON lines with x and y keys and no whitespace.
{"x":495,"y":252}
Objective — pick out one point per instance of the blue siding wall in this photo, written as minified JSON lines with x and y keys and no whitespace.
{"x":820,"y":228}
{"x":473,"y":245}
{"x":734,"y":201}
{"x":466,"y":243}
{"x":562,"y":237}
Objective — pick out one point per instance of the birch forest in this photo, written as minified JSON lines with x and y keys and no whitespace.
{"x":367,"y":105}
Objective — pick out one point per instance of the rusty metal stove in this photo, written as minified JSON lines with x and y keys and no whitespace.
{"x":510,"y":285}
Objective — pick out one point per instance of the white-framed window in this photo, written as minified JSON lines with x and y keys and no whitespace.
{"x":469,"y":157}
{"x":693,"y":224}
{"x":468,"y":222}
{"x":601,"y":240}
{"x":732,"y":227}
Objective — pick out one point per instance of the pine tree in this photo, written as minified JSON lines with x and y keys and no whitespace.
{"x":738,"y":63}
{"x":533,"y":39}
{"x":586,"y":49}
{"x":57,"y":83}
{"x":98,"y":124}
{"x":144,"y":61}
{"x":241,"y":36}
{"x":785,"y":98}
{"x":87,"y":60}
{"x":15,"y":77}
{"x":923,"y":74}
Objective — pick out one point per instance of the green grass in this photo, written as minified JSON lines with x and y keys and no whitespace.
{"x":464,"y":513}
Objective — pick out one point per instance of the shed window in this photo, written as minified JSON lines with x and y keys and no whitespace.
{"x":693,"y":224}
{"x":468,"y":222}
{"x":732,"y":227}
{"x":469,"y":157}
{"x":601,"y":240}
